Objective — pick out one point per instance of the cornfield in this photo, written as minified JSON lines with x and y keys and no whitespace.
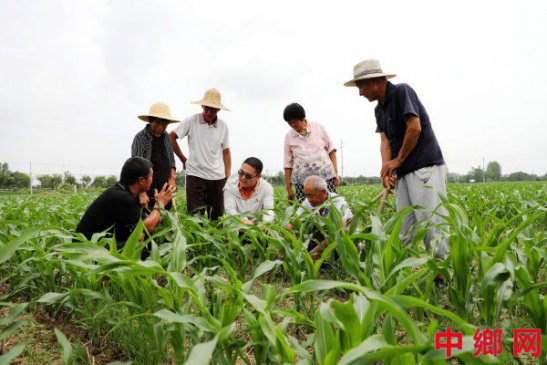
{"x":226,"y":293}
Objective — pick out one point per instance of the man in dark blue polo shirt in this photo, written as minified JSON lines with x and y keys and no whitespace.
{"x":410,"y":151}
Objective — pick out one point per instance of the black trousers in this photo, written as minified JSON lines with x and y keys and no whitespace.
{"x":205,"y":196}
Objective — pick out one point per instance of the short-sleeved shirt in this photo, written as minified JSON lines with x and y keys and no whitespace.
{"x":116,"y":210}
{"x":206,"y":143}
{"x":338,"y":201}
{"x":308,"y":154}
{"x":401,"y":102}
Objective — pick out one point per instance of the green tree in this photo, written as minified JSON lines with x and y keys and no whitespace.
{"x":69,"y":179}
{"x":86,"y":180}
{"x":20,"y":180}
{"x":45,"y":181}
{"x":476,"y":174}
{"x":521,"y":176}
{"x":493,"y":171}
{"x":98,"y":182}
{"x":50,"y":181}
{"x":110,"y":180}
{"x":56,"y":180}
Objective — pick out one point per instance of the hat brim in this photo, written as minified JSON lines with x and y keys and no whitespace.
{"x":211,"y":105}
{"x":351,"y":83}
{"x":146,"y":118}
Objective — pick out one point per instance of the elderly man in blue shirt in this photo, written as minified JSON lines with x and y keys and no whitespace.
{"x":409,"y":149}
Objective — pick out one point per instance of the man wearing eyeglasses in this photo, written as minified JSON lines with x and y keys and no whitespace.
{"x":249,"y":195}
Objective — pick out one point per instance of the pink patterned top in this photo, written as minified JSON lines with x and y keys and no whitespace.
{"x":308,"y":154}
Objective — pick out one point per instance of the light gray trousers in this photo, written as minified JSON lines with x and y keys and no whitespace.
{"x":422,"y":187}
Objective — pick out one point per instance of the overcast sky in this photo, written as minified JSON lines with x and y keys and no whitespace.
{"x":75,"y":75}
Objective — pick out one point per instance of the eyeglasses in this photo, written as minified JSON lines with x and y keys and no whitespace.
{"x":248,"y":176}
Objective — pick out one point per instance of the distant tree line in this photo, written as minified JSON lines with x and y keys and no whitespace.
{"x":279,"y":180}
{"x":15,"y":179}
{"x":476,"y":174}
{"x":493,"y":173}
{"x":57,"y":181}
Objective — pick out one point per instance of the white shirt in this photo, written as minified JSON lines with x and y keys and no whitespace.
{"x":262,"y":199}
{"x":206,"y":143}
{"x":338,"y":201}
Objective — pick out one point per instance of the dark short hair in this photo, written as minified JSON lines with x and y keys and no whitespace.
{"x":255,"y":163}
{"x":133,"y":169}
{"x":294,"y":111}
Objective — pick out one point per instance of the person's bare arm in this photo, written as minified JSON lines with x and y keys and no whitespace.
{"x":227,"y":157}
{"x":385,"y":151}
{"x":288,"y":184}
{"x":171,"y":180}
{"x":176,"y":148}
{"x":413,"y":130}
{"x":332,"y":156}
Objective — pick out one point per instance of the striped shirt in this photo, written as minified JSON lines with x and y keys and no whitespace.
{"x":142,"y":146}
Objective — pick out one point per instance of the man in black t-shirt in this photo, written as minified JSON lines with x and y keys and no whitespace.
{"x":118,"y":210}
{"x":410,"y":151}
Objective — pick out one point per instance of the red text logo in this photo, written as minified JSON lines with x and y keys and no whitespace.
{"x":448,"y":344}
{"x":527,"y":340}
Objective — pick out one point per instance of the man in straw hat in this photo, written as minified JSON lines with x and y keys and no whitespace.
{"x":409,"y":149}
{"x":153,"y":144}
{"x":209,"y":162}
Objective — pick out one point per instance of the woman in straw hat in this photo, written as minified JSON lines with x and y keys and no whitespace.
{"x":209,"y":162}
{"x":308,"y":151}
{"x":153,"y":144}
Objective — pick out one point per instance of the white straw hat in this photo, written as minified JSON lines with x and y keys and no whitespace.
{"x":159,"y":110}
{"x":368,"y":69}
{"x":211,"y":99}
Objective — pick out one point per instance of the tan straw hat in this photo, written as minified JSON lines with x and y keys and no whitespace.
{"x":159,"y":110}
{"x":368,"y":69}
{"x":211,"y":99}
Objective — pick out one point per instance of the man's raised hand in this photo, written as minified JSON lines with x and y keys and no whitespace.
{"x":165,"y":195}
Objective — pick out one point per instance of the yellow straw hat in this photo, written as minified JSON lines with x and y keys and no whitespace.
{"x":211,"y":99}
{"x":159,"y":110}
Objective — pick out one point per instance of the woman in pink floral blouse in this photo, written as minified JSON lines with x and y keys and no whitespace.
{"x":308,"y":151}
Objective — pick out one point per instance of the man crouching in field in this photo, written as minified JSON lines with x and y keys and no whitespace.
{"x":320,"y":200}
{"x":118,"y":209}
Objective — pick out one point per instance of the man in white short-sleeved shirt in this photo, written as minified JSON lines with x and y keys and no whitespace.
{"x":209,"y":162}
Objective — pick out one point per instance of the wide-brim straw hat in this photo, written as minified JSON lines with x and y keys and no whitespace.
{"x":368,"y":69}
{"x":211,"y":99}
{"x":159,"y":110}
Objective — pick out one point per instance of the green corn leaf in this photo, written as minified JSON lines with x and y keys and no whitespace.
{"x":65,"y":344}
{"x":202,"y":353}
{"x":13,"y":353}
